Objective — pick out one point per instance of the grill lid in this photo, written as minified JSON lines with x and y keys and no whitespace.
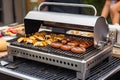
{"x":61,"y":20}
{"x":95,"y":24}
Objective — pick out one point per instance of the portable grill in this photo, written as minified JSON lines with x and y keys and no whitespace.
{"x":81,"y":63}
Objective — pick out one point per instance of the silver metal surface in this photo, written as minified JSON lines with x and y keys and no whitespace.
{"x":115,"y":34}
{"x":117,"y":44}
{"x":66,"y":18}
{"x":112,"y":34}
{"x":117,"y":69}
{"x":68,"y":4}
{"x":31,"y":70}
{"x":46,"y":57}
{"x":118,"y":35}
{"x":100,"y":33}
{"x":82,"y":66}
{"x":16,"y":74}
{"x":3,"y":63}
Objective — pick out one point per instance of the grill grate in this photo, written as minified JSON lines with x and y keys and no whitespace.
{"x":55,"y":51}
{"x":49,"y":72}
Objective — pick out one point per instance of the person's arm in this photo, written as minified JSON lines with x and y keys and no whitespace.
{"x":106,"y":8}
{"x":115,"y":13}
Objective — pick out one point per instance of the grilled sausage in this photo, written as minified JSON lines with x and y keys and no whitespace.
{"x":85,"y":44}
{"x":66,"y":47}
{"x":64,"y":41}
{"x":69,"y":39}
{"x":73,"y":43}
{"x":56,"y":44}
{"x":90,"y":43}
{"x":78,"y":50}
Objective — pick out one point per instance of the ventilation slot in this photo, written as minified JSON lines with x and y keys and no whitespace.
{"x":46,"y":59}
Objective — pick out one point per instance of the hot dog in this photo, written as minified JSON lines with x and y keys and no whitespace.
{"x":73,"y":43}
{"x":85,"y":44}
{"x":66,"y":47}
{"x":78,"y":50}
{"x":66,"y":40}
{"x":56,"y":44}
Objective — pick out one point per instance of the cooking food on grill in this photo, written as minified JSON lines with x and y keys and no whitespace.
{"x":40,"y":43}
{"x":31,"y":41}
{"x":66,"y":47}
{"x":42,"y":39}
{"x":60,"y":37}
{"x":26,"y":39}
{"x":85,"y":44}
{"x":66,"y":40}
{"x":20,"y":33}
{"x":56,"y":44}
{"x":73,"y":43}
{"x":32,"y":37}
{"x":49,"y":41}
{"x":81,"y":33}
{"x":20,"y":39}
{"x":69,"y":39}
{"x":78,"y":50}
{"x":48,"y":36}
{"x":40,"y":33}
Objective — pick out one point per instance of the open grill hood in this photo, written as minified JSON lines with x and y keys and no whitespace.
{"x":95,"y":24}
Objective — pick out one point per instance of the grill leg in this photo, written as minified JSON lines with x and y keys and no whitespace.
{"x":10,"y":58}
{"x":82,"y":75}
{"x":109,"y":59}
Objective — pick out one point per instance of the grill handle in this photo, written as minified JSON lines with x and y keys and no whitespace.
{"x":68,"y":4}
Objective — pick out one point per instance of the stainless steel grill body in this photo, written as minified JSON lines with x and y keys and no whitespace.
{"x":59,"y":60}
{"x":82,"y":66}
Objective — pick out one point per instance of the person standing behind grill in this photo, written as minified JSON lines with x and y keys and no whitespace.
{"x":64,"y":9}
{"x":112,"y":7}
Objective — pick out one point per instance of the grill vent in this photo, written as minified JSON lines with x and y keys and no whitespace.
{"x":46,"y":59}
{"x":97,"y":59}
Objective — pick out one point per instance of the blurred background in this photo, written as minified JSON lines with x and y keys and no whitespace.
{"x":12,"y":11}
